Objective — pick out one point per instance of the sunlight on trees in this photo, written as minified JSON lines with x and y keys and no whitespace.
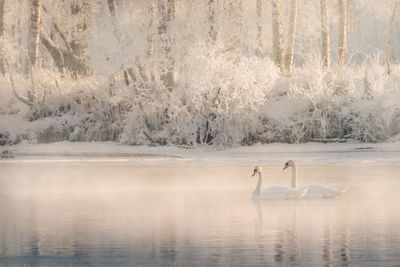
{"x":214,"y":72}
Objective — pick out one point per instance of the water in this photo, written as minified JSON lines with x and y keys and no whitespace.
{"x":101,"y":214}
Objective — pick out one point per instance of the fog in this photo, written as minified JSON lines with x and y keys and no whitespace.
{"x":203,"y":215}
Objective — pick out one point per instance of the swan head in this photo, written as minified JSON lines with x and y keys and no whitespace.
{"x":256,"y":170}
{"x":288,"y":164}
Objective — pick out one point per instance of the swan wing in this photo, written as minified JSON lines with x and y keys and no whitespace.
{"x":322,"y":191}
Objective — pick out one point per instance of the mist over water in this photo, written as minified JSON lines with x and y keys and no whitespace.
{"x":73,"y":214}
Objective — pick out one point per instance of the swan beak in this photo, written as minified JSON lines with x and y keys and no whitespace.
{"x":285,"y":167}
{"x":254,"y":173}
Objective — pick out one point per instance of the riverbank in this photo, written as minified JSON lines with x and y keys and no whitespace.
{"x":308,"y":153}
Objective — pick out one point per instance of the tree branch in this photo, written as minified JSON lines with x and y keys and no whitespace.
{"x":54,"y":51}
{"x":17,"y":95}
{"x":67,"y":44}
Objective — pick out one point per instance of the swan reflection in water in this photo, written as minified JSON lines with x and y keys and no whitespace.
{"x":296,"y":222}
{"x":291,"y":226}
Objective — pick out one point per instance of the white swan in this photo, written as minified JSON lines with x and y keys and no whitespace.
{"x":314,"y":190}
{"x":275,"y":192}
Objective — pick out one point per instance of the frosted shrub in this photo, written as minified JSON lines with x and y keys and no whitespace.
{"x":314,"y":105}
{"x":215,"y":101}
{"x":227,"y":96}
{"x":69,"y":108}
{"x":148,"y":115}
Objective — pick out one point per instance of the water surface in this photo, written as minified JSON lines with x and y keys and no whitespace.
{"x":102,"y":214}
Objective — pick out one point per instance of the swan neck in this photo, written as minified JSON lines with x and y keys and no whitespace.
{"x":258,"y":188}
{"x":294,"y":177}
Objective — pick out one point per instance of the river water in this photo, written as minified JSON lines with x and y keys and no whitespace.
{"x":120,"y":214}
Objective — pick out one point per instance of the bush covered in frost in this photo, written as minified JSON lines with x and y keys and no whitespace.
{"x":216,"y":101}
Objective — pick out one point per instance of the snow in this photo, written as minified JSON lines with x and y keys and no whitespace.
{"x":113,"y":153}
{"x":224,"y":94}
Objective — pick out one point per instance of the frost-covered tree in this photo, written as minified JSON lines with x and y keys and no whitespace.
{"x":260,"y":49}
{"x":116,"y":32}
{"x":342,"y":44}
{"x":277,"y":34}
{"x":225,"y":95}
{"x":2,"y":33}
{"x":389,"y":45}
{"x":151,"y":36}
{"x":111,"y":8}
{"x":80,"y":10}
{"x":232,"y":26}
{"x":212,"y":13}
{"x":291,"y":36}
{"x":166,"y":11}
{"x":34,"y":34}
{"x":325,"y":34}
{"x":142,"y":70}
{"x":71,"y":56}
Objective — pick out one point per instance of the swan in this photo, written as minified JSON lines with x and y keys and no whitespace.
{"x":314,"y":190}
{"x":275,"y":192}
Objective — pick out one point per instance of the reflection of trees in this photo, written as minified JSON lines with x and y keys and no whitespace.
{"x":34,"y":240}
{"x":286,"y":243}
{"x":286,"y":247}
{"x":33,"y":233}
{"x":4,"y":223}
{"x":258,"y":231}
{"x":168,"y":245}
{"x":80,"y":233}
{"x":18,"y":228}
{"x":327,"y":242}
{"x":302,"y":232}
{"x":344,"y":243}
{"x":335,"y":231}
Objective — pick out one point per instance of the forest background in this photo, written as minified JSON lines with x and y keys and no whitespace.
{"x":199,"y":72}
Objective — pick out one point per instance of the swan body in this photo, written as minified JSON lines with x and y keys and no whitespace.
{"x":279,"y":192}
{"x":321,"y":191}
{"x":314,"y":190}
{"x":275,"y":192}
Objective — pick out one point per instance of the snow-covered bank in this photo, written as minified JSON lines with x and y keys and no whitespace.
{"x":220,"y":104}
{"x":309,"y":153}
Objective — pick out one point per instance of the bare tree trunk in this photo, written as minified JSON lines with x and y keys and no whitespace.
{"x":212,"y":7}
{"x":167,"y":15}
{"x":34,"y":35}
{"x":148,"y":72}
{"x":116,"y":32}
{"x":234,"y":18}
{"x":145,"y":73}
{"x":342,"y":46}
{"x":80,"y":9}
{"x":277,"y":46}
{"x":291,"y":37}
{"x":325,"y":34}
{"x":150,"y":36}
{"x":389,"y":45}
{"x":73,"y":57}
{"x":55,"y":52}
{"x":260,"y":44}
{"x":64,"y":59}
{"x":2,"y":31}
{"x":111,"y":8}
